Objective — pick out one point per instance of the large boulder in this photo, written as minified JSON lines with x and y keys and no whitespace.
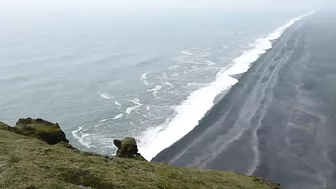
{"x":49,"y":132}
{"x":128,"y":148}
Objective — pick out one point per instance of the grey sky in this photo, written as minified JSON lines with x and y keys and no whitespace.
{"x":168,"y":3}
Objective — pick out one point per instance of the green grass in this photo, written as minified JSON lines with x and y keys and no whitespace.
{"x":42,"y":128}
{"x":28,"y":162}
{"x":3,"y":126}
{"x":39,"y":125}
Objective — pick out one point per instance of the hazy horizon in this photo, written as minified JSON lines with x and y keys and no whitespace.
{"x":128,"y":5}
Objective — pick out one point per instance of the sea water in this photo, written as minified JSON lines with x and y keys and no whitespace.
{"x":149,"y":75}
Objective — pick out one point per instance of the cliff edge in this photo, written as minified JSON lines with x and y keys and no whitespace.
{"x":35,"y":154}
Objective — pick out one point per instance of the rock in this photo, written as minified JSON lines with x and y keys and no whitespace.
{"x":128,"y":148}
{"x":44,"y":130}
{"x":49,"y":132}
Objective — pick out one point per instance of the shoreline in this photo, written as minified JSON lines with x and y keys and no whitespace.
{"x":226,"y":79}
{"x":278,"y":121}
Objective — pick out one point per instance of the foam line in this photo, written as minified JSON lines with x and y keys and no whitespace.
{"x":190,"y":111}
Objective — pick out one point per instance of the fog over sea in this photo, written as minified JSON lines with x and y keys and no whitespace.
{"x":104,"y":75}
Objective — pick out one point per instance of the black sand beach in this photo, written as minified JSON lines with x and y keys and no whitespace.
{"x":279,"y":121}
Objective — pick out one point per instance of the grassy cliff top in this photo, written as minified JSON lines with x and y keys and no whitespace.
{"x":29,"y":163}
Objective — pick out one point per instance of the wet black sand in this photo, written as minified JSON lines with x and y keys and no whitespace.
{"x":279,"y":121}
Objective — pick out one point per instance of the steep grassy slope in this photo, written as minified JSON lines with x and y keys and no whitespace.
{"x":29,"y":163}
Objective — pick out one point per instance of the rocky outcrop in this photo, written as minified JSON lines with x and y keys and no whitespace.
{"x":49,"y":132}
{"x":44,"y":130}
{"x":128,"y":148}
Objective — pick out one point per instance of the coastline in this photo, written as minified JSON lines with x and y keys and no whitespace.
{"x":226,"y":78}
{"x":277,"y":122}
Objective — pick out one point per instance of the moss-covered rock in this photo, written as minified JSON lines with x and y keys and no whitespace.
{"x":44,"y":130}
{"x":128,"y":148}
{"x":49,"y":132}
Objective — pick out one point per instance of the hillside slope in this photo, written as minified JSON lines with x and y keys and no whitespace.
{"x":29,"y":163}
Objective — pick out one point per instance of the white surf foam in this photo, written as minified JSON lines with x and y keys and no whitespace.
{"x":143,"y":78}
{"x":169,"y":84}
{"x":102,"y":121}
{"x":200,"y":101}
{"x":146,"y":82}
{"x":137,"y":102}
{"x":196,"y":86}
{"x":163,"y":76}
{"x":106,"y":96}
{"x":242,"y":63}
{"x":155,"y":90}
{"x":119,"y":116}
{"x":130,"y":109}
{"x":118,"y":104}
{"x":97,"y":125}
{"x":205,"y":54}
{"x":173,"y":67}
{"x":81,"y":137}
{"x":210,"y":63}
{"x":187,"y":52}
{"x":225,"y":46}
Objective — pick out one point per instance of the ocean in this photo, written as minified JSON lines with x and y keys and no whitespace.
{"x":104,"y":75}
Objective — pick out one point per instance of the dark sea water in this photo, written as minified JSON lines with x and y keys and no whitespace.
{"x":278,"y":121}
